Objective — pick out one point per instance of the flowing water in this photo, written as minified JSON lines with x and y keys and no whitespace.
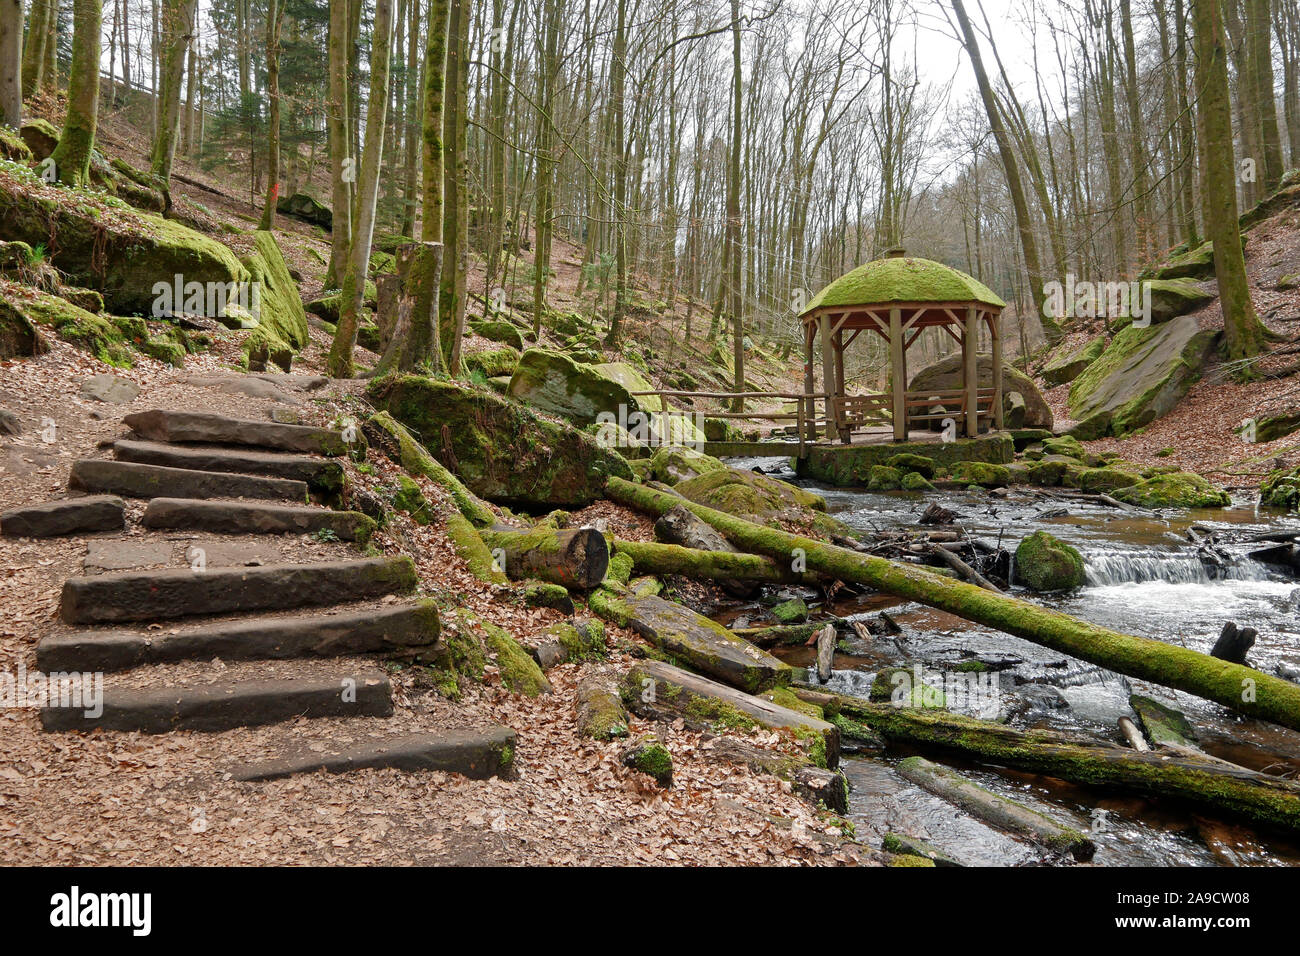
{"x":1144,"y":576}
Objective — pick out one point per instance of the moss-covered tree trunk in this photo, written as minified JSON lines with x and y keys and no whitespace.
{"x":177,"y":29}
{"x":354,"y":282}
{"x":11,"y":62}
{"x":1261,"y":798}
{"x":72,"y":156}
{"x":423,"y":347}
{"x":1243,"y":333}
{"x":274,"y":22}
{"x":1260,"y":59}
{"x":1243,"y":689}
{"x":344,"y":164}
{"x":34,"y":49}
{"x":455,"y":212}
{"x":1024,"y":225}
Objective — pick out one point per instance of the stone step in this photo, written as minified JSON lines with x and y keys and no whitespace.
{"x":322,"y":475}
{"x":154,"y":481}
{"x":215,"y":707}
{"x":180,"y":592}
{"x":367,"y":631}
{"x":238,"y":517}
{"x":68,"y":516}
{"x":204,"y":428}
{"x":477,"y":754}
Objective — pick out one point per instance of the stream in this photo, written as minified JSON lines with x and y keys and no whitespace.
{"x":1143,"y":577}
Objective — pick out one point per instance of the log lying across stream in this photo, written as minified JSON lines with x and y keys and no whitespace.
{"x":650,"y":558}
{"x":1258,"y":797}
{"x":1241,"y":688}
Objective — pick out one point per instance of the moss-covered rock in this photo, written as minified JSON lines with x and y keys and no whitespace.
{"x":24,"y":310}
{"x":1171,"y":298}
{"x":499,"y":330}
{"x":555,"y":383}
{"x":99,"y":242}
{"x":672,"y":463}
{"x":493,"y":362}
{"x":327,"y":305}
{"x":12,"y":146}
{"x":1281,"y":489}
{"x":884,"y":478}
{"x":19,"y":336}
{"x":761,"y":499}
{"x":793,"y":611}
{"x":722,"y":429}
{"x":1107,"y":479}
{"x":981,"y":473}
{"x":650,"y":757}
{"x":500,"y":449}
{"x":1045,"y":563}
{"x":1069,"y":363}
{"x":915,"y":481}
{"x":394,"y":440}
{"x":907,"y":461}
{"x":1066,"y":445}
{"x":1179,"y":489}
{"x":1142,"y":375}
{"x":408,"y":497}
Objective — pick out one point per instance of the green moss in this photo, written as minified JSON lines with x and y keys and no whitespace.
{"x":1107,"y":479}
{"x":620,"y":568}
{"x":546,"y":594}
{"x":981,"y":473}
{"x":793,"y":611}
{"x":884,"y":478}
{"x":1281,"y":489}
{"x":473,"y":551}
{"x":652,"y":758}
{"x":1181,"y":489}
{"x":785,"y":697}
{"x":1046,"y":563}
{"x":719,"y":715}
{"x":519,"y":672}
{"x":672,"y":463}
{"x":1066,"y":445}
{"x":401,"y":446}
{"x":908,"y":461}
{"x":409,"y":498}
{"x":903,"y":279}
{"x":915,"y":481}
{"x":493,"y":362}
{"x":610,"y":606}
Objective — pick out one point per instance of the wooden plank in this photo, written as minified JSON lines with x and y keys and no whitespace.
{"x":898,"y":364}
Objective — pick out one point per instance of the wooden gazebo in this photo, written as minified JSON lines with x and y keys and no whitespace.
{"x":898,"y":297}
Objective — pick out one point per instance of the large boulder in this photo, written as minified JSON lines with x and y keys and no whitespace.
{"x":1142,"y":375}
{"x":1177,"y":489}
{"x":555,"y":383}
{"x":281,"y":321}
{"x":304,"y":207}
{"x":500,"y":449}
{"x":1066,"y":365}
{"x":758,"y":498}
{"x":99,"y":242}
{"x":25,"y":311}
{"x":1171,"y":298}
{"x":946,"y":375}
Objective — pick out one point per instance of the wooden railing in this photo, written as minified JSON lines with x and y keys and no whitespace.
{"x":804,"y":415}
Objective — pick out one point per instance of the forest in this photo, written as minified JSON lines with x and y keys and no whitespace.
{"x":610,"y":433}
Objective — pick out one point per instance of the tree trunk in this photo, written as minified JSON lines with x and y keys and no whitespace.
{"x":1243,"y":333}
{"x":575,"y":558}
{"x":344,"y":163}
{"x":11,"y":63}
{"x":1245,"y":690}
{"x":72,"y":156}
{"x":455,"y":211}
{"x":177,"y":27}
{"x":274,"y":21}
{"x":354,"y":282}
{"x":38,"y":37}
{"x":1260,"y":57}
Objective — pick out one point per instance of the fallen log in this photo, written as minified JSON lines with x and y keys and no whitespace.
{"x":659,"y":691}
{"x":722,"y":566}
{"x":784,"y":634}
{"x":680,"y":527}
{"x":1260,"y":798}
{"x":1133,"y":735}
{"x":1001,"y":812}
{"x":964,"y":569}
{"x":573,"y":557}
{"x":1243,"y":689}
{"x":825,"y":652}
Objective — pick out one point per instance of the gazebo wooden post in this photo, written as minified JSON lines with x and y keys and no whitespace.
{"x":995,"y":334}
{"x":809,"y":383}
{"x":828,"y":375}
{"x":970,"y":343}
{"x":845,"y":434}
{"x":898,"y":367}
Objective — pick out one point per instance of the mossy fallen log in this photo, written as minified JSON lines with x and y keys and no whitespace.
{"x":651,"y":558}
{"x":1001,"y":812}
{"x":1235,"y":791}
{"x":1240,"y":688}
{"x":601,"y":715}
{"x":658,"y":691}
{"x":473,"y":551}
{"x":572,"y":557}
{"x":394,"y":440}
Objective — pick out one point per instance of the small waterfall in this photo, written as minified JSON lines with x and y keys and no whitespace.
{"x":1129,"y":567}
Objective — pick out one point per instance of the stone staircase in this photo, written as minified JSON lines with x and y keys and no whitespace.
{"x":207,"y":473}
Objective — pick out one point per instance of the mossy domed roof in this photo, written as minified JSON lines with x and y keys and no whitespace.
{"x":903,"y":279}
